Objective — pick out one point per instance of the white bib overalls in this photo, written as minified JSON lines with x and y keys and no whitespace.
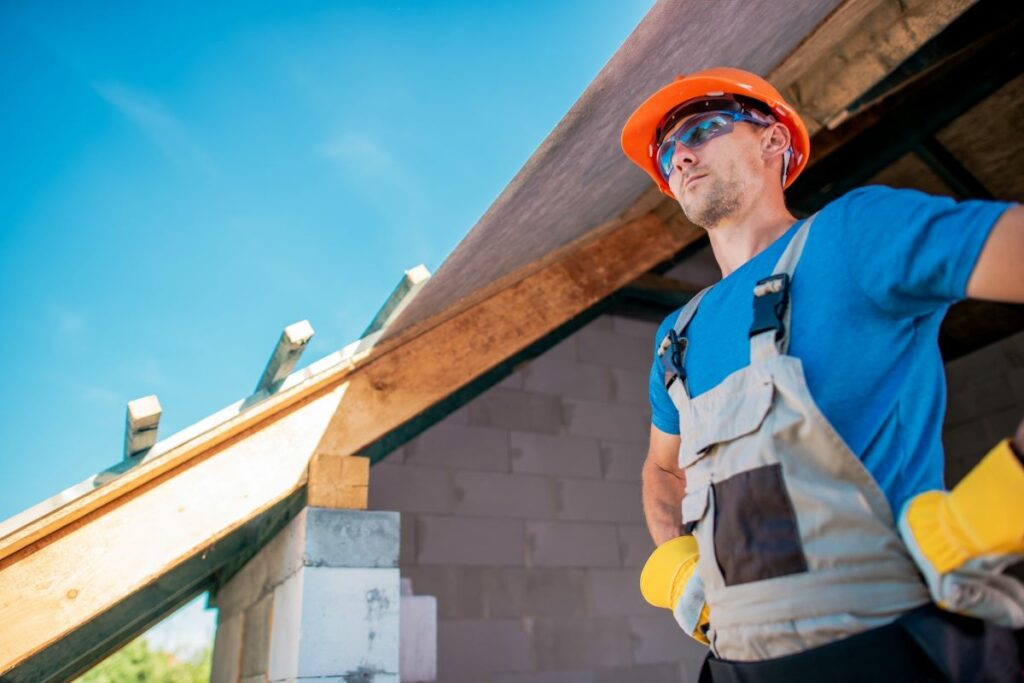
{"x":798,"y":544}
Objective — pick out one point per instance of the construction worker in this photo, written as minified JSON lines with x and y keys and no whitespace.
{"x":794,"y":480}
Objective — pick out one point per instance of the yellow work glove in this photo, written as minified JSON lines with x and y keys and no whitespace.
{"x":964,"y":538}
{"x":669,"y":580}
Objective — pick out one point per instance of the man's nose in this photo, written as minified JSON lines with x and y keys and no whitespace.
{"x":682,"y":156}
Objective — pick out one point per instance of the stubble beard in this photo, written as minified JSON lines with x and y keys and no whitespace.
{"x":718,"y":200}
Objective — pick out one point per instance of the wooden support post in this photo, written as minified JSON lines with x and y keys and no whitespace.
{"x":338,"y":481}
{"x":141,"y":422}
{"x":286,"y":354}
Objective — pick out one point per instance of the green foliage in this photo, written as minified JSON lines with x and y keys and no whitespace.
{"x":137,"y":663}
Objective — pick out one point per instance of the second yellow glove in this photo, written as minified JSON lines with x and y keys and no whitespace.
{"x":669,"y":580}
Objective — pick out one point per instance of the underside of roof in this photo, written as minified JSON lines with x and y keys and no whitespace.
{"x":578,"y":231}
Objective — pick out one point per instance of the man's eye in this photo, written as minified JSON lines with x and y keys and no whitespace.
{"x":706,"y":130}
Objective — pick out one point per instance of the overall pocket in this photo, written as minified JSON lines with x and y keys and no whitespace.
{"x":716,"y":419}
{"x":755,"y":531}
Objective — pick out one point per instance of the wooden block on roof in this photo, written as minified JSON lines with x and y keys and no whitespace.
{"x":141,"y":423}
{"x":286,"y":354}
{"x":407,"y":288}
{"x":338,"y":481}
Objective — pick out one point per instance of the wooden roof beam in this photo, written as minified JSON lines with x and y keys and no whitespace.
{"x":865,"y":144}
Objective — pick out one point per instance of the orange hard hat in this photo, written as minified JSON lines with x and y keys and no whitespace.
{"x":639,"y":136}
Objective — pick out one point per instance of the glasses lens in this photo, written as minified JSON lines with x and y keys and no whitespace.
{"x":694,"y":133}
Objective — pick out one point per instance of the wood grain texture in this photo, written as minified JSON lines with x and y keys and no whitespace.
{"x":866,"y":46}
{"x":993,"y":154}
{"x":254,"y":418}
{"x":338,"y":481}
{"x":820,"y":44}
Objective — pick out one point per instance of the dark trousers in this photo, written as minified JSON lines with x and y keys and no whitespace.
{"x":923,"y":646}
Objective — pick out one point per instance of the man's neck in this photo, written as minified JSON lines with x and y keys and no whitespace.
{"x":746,"y":234}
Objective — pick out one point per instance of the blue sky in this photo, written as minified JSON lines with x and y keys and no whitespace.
{"x":179,"y":181}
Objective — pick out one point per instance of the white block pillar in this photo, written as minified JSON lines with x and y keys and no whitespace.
{"x":320,"y":602}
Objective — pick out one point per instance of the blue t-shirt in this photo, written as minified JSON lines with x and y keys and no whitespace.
{"x":879,"y":269}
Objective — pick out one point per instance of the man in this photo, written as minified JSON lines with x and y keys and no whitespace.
{"x":797,"y":412}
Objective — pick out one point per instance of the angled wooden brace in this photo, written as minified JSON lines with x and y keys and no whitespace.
{"x":286,"y":354}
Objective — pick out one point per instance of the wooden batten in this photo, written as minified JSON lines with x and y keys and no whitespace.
{"x":286,"y":354}
{"x":411,"y":283}
{"x":141,"y":423}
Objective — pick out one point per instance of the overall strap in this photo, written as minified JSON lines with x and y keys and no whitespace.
{"x":672,"y":349}
{"x":769,"y":333}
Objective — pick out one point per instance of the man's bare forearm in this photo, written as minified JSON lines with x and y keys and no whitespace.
{"x":663,"y":495}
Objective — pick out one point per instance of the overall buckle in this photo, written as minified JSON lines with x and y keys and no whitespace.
{"x":771,"y":296}
{"x":673,"y":365}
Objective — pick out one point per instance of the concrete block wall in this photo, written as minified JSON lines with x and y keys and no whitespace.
{"x":985,"y":403}
{"x":521,"y":513}
{"x":320,"y":602}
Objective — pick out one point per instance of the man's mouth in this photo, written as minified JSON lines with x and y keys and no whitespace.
{"x":692,"y":179}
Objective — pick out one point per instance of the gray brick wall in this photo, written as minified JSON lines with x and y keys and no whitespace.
{"x":521,"y":510}
{"x":985,"y":402}
{"x":521,"y":514}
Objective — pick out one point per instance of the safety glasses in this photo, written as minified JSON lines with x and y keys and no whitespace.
{"x":699,"y":130}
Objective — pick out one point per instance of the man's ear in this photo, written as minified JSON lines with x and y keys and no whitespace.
{"x":775,"y":140}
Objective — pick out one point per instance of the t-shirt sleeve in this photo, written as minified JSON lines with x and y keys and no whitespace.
{"x":664,"y":415}
{"x":910,"y":252}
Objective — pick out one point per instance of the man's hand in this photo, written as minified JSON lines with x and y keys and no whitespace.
{"x":663,"y":486}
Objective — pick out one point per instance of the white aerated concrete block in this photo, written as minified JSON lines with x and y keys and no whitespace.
{"x":558,"y":455}
{"x":227,"y":651}
{"x":350,"y":624}
{"x":599,"y":501}
{"x":622,"y":461}
{"x":472,"y":648}
{"x":460,"y":446}
{"x":635,"y":544}
{"x":418,"y":645}
{"x":608,"y":349}
{"x":630,"y":327}
{"x":607,"y":420}
{"x":319,"y":602}
{"x":568,"y":544}
{"x":658,"y":638}
{"x":493,"y":494}
{"x":469,"y":541}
